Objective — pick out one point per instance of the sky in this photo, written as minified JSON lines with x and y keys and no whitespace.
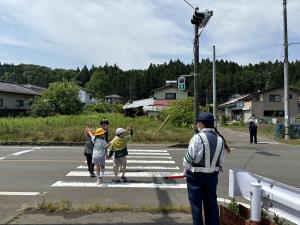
{"x":134,"y":33}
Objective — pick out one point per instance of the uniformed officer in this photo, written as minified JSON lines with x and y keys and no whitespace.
{"x":202,"y":163}
{"x":253,"y":123}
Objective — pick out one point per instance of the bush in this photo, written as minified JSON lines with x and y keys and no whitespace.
{"x":224,"y":120}
{"x":233,"y":206}
{"x":59,"y":98}
{"x":181,"y":112}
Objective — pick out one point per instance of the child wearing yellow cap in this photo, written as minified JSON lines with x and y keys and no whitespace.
{"x":99,"y":152}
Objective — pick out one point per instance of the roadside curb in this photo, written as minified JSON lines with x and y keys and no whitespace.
{"x":43,"y":143}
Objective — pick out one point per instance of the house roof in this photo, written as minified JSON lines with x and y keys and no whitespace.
{"x":139,"y":103}
{"x":234,"y":100}
{"x":113,"y":96}
{"x":10,"y":87}
{"x":34,"y":87}
{"x":164,"y":87}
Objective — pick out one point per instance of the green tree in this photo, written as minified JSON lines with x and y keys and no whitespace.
{"x":181,"y":112}
{"x":99,"y":84}
{"x":59,"y":98}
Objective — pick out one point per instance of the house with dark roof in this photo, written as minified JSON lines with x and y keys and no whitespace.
{"x":262,"y":104}
{"x":15,"y":98}
{"x":34,"y":87}
{"x":169,"y":92}
{"x":113,"y":99}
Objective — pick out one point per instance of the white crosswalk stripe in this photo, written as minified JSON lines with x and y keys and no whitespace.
{"x":140,"y":167}
{"x":162,"y":167}
{"x":151,"y":153}
{"x":147,"y":157}
{"x":119,"y":185}
{"x":128,"y":174}
{"x":146,"y":161}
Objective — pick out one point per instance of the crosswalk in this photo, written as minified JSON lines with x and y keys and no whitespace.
{"x":146,"y":168}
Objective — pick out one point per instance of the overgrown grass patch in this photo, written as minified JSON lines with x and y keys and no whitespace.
{"x":66,"y":206}
{"x":71,"y":128}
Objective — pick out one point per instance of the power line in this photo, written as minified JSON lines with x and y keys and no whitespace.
{"x":294,"y":43}
{"x":259,"y":75}
{"x":189,"y":4}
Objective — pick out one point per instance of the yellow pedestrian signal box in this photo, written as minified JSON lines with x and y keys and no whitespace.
{"x":181,"y":83}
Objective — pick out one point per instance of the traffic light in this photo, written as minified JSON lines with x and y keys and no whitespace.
{"x":198,"y":17}
{"x":181,"y":83}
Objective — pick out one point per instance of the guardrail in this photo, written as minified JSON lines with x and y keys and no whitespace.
{"x":278,"y":198}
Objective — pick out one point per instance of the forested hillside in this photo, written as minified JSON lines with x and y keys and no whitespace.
{"x":104,"y":80}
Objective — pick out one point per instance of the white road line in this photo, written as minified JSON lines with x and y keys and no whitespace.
{"x":146,"y":150}
{"x":19,"y":193}
{"x":139,"y":167}
{"x":149,"y":153}
{"x":19,"y":153}
{"x":22,"y":152}
{"x":118,"y":185}
{"x":177,"y":149}
{"x":145,"y":161}
{"x":148,"y":157}
{"x":128,"y":174}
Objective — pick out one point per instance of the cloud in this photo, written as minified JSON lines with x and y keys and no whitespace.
{"x":135,"y":33}
{"x":129,"y":33}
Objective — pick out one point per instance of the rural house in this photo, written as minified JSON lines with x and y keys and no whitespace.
{"x":15,"y":98}
{"x":161,"y":98}
{"x":113,"y":99}
{"x":267,"y":103}
{"x":85,"y":97}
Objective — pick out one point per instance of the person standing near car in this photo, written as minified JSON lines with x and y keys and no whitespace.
{"x":252,"y":124}
{"x":202,"y":163}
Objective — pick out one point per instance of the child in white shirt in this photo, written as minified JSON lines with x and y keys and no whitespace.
{"x":99,"y":152}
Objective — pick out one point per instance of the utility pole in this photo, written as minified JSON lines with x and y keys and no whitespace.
{"x":286,"y":76}
{"x":214,"y":87}
{"x":199,"y":20}
{"x":196,"y":77}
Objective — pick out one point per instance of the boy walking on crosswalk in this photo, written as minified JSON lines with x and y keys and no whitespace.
{"x":119,"y":150}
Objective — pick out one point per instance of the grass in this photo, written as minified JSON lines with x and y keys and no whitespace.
{"x":71,"y":128}
{"x":66,"y":206}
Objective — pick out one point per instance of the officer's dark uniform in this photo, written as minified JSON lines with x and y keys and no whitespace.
{"x":253,"y":129}
{"x":202,"y":163}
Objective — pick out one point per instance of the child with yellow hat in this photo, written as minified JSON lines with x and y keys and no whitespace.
{"x":99,"y":152}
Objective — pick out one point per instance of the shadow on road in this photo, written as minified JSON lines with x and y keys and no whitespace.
{"x":261,"y":152}
{"x":164,"y":201}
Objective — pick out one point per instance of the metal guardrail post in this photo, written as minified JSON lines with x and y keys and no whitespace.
{"x":255,"y":210}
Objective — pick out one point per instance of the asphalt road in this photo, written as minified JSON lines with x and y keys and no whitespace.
{"x":60,"y":173}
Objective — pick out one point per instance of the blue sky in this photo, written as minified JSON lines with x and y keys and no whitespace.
{"x":135,"y":33}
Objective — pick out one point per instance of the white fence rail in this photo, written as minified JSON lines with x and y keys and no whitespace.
{"x":279,"y":198}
